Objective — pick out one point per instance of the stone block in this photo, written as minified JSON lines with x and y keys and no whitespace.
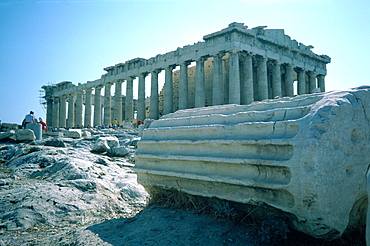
{"x":73,"y":133}
{"x":24,"y":135}
{"x":105,"y":144}
{"x":119,"y":151}
{"x":5,"y":135}
{"x":306,"y":156}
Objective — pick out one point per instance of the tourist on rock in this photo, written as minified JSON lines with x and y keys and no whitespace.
{"x":44,"y":126}
{"x":29,"y":118}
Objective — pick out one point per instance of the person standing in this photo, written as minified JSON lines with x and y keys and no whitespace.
{"x":29,"y":118}
{"x":43,"y":123}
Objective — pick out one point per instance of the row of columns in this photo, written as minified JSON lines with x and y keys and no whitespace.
{"x":249,"y":79}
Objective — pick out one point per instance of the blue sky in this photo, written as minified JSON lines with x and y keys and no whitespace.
{"x":49,"y":41}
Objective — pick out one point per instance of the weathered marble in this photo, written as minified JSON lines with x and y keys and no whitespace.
{"x":306,"y":156}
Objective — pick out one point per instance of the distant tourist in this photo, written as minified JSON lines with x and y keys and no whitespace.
{"x":139,"y":122}
{"x":114,"y":123}
{"x":29,"y":118}
{"x":44,"y":126}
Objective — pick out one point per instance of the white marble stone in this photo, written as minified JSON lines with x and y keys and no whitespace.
{"x":306,"y":156}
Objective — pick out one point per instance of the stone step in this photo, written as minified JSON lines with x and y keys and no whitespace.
{"x":243,"y":130}
{"x":219,"y":149}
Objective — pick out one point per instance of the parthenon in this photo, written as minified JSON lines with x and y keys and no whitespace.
{"x":236,"y":65}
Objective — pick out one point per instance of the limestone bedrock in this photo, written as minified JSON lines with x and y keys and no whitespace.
{"x":306,"y":156}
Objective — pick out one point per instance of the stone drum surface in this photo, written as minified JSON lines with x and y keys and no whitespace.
{"x":306,"y":156}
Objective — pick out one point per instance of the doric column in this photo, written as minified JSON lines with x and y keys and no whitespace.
{"x":183,"y":85}
{"x":87,"y":118}
{"x":141,"y":111}
{"x":234,"y":77}
{"x":97,"y":106}
{"x":217,"y":97}
{"x":63,"y":111}
{"x":200,"y":100}
{"x":56,"y":105}
{"x":168,"y":90}
{"x":289,"y":79}
{"x":49,"y":111}
{"x":107,"y":104}
{"x":321,"y":82}
{"x":71,"y":110}
{"x":276,"y":80}
{"x":247,"y":94}
{"x":118,"y":102}
{"x":129,"y":105}
{"x":154,"y":106}
{"x":262,"y":83}
{"x":301,"y":82}
{"x":311,"y":82}
{"x":78,"y":118}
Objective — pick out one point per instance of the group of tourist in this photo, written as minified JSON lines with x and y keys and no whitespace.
{"x":31,"y":118}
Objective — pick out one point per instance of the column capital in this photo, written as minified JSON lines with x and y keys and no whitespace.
{"x":80,"y":92}
{"x":156,"y":71}
{"x":288,"y":65}
{"x":219,"y":54}
{"x":261,"y":59}
{"x":98,"y":87}
{"x":170,"y":67}
{"x":201,"y":59}
{"x":143,"y":75}
{"x":89,"y":89}
{"x":312,"y":73}
{"x":234,"y":50}
{"x":131,"y":78}
{"x":185,"y":63}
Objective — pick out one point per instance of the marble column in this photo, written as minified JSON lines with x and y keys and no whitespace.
{"x":63,"y":111}
{"x":154,"y":105}
{"x":87,"y":118}
{"x":129,"y":105}
{"x":49,"y":111}
{"x":56,"y":105}
{"x":71,"y":110}
{"x":78,"y":117}
{"x":301,"y":82}
{"x":311,"y":82}
{"x":321,"y":82}
{"x":289,"y":80}
{"x":200,"y":100}
{"x":234,"y":77}
{"x":107,"y":104}
{"x":217,"y":97}
{"x":97,"y":106}
{"x":141,"y":110}
{"x":276,"y":80}
{"x":262,"y":83}
{"x":118,"y":101}
{"x":247,"y":94}
{"x":168,"y":90}
{"x":183,"y":86}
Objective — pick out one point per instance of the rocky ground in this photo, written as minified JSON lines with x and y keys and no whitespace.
{"x":71,"y":195}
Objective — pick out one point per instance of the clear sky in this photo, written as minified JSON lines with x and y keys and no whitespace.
{"x":48,"y":41}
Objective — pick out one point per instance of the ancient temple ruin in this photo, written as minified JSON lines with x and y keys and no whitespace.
{"x":236,"y":65}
